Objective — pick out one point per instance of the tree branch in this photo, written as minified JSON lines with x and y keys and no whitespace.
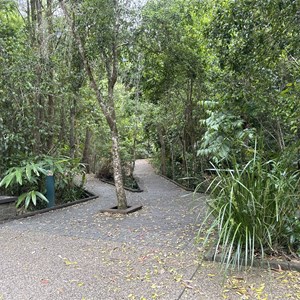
{"x":86,"y":63}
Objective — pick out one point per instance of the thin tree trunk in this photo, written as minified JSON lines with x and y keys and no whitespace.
{"x":108,"y":111}
{"x":162,"y":151}
{"x":86,"y":150}
{"x":62,"y":132}
{"x":132,"y":166}
{"x":37,"y":41}
{"x":184,"y":160}
{"x":280,"y":136}
{"x":189,"y":132}
{"x":137,"y":98}
{"x":72,"y":128}
{"x":50,"y":75}
{"x":94,"y":163}
{"x":172,"y":160}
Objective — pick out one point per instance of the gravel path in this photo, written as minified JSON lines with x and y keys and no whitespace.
{"x":78,"y":253}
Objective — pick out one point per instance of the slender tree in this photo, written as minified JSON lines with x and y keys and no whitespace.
{"x":108,"y":52}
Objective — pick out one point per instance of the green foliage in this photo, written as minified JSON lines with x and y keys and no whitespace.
{"x":254,"y":210}
{"x":174,"y":60}
{"x":224,"y":135}
{"x":197,"y":82}
{"x":255,"y":62}
{"x":28,"y":176}
{"x":65,"y":171}
{"x":19,"y":175}
{"x":30,"y":197}
{"x":28,"y":179}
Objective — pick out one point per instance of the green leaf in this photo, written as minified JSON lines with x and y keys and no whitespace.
{"x":27,"y":200}
{"x":18,"y":174}
{"x":42,"y":170}
{"x":35,"y":169}
{"x":7,"y":180}
{"x":28,"y":172}
{"x":21,"y":199}
{"x":40,"y":195}
{"x":33,"y":197}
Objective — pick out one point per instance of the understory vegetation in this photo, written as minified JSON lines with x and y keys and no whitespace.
{"x":255,"y":211}
{"x":209,"y":90}
{"x":28,"y":180}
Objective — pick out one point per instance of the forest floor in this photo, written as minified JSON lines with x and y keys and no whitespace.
{"x":79,"y":253}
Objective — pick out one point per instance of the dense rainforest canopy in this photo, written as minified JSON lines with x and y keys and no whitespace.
{"x":187,"y":83}
{"x":197,"y":81}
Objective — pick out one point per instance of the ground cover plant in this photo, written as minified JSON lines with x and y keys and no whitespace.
{"x":254,"y":211}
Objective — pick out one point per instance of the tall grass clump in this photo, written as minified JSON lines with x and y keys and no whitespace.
{"x":253,"y":211}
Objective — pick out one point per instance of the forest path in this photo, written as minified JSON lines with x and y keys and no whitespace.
{"x":79,"y":253}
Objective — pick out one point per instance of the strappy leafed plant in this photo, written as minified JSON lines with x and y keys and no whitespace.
{"x":253,"y":211}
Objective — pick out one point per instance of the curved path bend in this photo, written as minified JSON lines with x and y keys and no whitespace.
{"x":77,"y":253}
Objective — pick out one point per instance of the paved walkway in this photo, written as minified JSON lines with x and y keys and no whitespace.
{"x":78,"y":253}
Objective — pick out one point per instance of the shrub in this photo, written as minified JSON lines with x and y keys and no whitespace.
{"x":254,"y":209}
{"x":28,"y":179}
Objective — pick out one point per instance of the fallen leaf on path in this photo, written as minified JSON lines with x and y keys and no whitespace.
{"x":68,"y":262}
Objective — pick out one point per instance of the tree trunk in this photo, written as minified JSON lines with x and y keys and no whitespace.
{"x":132,"y":165}
{"x":162,"y":150}
{"x":72,"y":128}
{"x":189,"y":131}
{"x":62,"y":130}
{"x":172,"y":160}
{"x":280,"y":136}
{"x":50,"y":75}
{"x":107,"y":107}
{"x":86,"y":150}
{"x":117,"y":166}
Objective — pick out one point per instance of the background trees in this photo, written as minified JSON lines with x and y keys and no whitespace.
{"x":257,"y":61}
{"x":173,"y":81}
{"x":231,"y":71}
{"x":69,"y":75}
{"x":189,"y":82}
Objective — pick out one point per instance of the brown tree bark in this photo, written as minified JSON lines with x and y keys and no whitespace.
{"x":62,"y":130}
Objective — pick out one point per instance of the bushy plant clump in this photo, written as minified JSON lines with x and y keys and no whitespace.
{"x":254,"y":211}
{"x":27,"y":180}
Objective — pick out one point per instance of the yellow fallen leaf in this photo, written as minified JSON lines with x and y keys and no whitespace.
{"x":285,"y":281}
{"x":242,"y":291}
{"x":260,"y":289}
{"x":68,"y":262}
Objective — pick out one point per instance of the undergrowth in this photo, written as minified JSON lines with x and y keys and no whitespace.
{"x":253,"y":211}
